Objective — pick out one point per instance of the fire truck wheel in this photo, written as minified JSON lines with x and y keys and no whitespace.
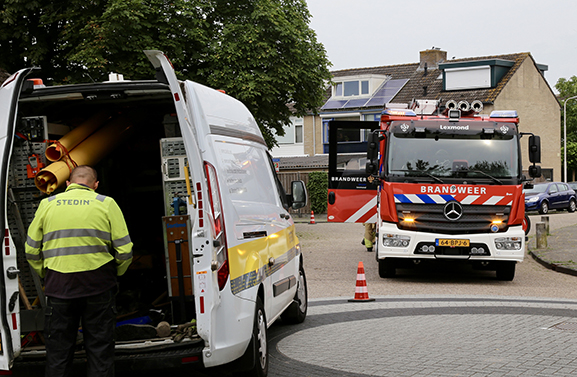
{"x":387,"y":268}
{"x":506,"y":270}
{"x":297,"y":311}
{"x":544,"y":209}
{"x":572,"y":206}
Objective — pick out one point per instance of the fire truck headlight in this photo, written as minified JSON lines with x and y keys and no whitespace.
{"x":508,"y":243}
{"x":396,"y":240}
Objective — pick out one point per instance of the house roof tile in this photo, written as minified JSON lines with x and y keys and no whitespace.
{"x":428,"y":84}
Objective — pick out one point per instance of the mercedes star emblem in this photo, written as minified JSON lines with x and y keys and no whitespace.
{"x":453,"y":211}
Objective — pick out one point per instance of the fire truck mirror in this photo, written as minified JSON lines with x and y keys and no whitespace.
{"x":534,"y":149}
{"x":535,"y":171}
{"x":371,"y":167}
{"x":372,"y":153}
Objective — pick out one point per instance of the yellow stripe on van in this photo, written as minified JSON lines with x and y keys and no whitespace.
{"x":248,"y":262}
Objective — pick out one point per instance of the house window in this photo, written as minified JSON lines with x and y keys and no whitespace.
{"x":351,"y":88}
{"x":293,"y":134}
{"x":298,"y":133}
{"x":338,"y":89}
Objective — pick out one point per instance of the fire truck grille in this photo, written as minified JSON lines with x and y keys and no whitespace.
{"x":430,"y":218}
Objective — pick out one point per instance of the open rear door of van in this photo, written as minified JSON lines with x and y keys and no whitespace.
{"x":9,"y":293}
{"x":205,"y":285}
{"x":352,"y":196}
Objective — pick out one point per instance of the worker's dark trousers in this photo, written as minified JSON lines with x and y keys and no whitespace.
{"x":98,"y":316}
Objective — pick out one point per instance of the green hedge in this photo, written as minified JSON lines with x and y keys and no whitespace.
{"x":317,"y":189}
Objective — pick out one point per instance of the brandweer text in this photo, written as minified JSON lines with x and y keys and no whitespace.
{"x":473,"y":190}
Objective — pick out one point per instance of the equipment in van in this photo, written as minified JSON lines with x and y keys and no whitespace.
{"x":88,"y":151}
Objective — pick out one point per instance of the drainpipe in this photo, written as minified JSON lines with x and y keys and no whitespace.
{"x":314,"y":135}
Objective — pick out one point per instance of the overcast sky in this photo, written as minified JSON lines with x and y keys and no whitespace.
{"x":370,"y":33}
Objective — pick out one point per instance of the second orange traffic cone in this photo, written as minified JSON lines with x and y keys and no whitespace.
{"x":361,"y":290}
{"x":312,"y":218}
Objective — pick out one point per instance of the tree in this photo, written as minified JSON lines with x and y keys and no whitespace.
{"x":262,"y":52}
{"x":567,"y":89}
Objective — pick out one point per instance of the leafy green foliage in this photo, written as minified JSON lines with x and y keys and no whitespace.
{"x":317,"y":188}
{"x":567,"y":89}
{"x":261,"y":52}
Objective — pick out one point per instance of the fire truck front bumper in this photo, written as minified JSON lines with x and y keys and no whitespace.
{"x":396,"y":243}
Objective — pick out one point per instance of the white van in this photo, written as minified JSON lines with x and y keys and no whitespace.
{"x":214,"y":243}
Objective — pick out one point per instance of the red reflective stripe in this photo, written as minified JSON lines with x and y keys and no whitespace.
{"x":201,"y":301}
{"x":6,"y":242}
{"x":191,"y":359}
{"x":176,"y":97}
{"x":14,"y":322}
{"x":200,"y":205}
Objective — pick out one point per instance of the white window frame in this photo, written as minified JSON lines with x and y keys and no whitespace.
{"x":291,"y":132}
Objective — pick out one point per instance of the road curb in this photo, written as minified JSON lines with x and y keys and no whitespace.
{"x":553,"y":266}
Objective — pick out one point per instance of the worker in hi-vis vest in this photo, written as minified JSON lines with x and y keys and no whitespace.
{"x":79,"y":242}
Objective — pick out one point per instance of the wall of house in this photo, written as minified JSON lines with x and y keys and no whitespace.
{"x":313,"y":144}
{"x":539,"y":113}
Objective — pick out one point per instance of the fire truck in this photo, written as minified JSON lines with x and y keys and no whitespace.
{"x":441,"y":183}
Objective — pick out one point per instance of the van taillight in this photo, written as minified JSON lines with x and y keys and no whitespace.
{"x":217,"y":221}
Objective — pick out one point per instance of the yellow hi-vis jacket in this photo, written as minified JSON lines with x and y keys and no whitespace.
{"x":76,"y":231}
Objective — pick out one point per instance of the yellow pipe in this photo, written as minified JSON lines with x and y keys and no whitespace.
{"x":55,"y":152}
{"x":88,"y":152}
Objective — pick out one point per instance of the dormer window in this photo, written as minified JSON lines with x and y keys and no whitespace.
{"x":474,"y":74}
{"x":351,"y":88}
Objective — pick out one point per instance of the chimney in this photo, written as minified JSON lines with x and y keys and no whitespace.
{"x":431,"y":58}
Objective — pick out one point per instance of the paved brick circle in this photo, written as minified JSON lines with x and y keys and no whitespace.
{"x":430,"y":336}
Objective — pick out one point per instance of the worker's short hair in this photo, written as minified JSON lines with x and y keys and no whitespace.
{"x":83,"y":173}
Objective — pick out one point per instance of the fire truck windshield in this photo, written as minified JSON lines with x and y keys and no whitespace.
{"x":481,"y":154}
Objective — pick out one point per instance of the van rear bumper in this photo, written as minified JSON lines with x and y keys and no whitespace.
{"x":164,"y":361}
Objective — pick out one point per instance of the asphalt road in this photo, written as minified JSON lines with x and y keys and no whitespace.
{"x":332,"y":252}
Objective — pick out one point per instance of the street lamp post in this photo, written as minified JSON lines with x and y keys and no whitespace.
{"x":565,"y":137}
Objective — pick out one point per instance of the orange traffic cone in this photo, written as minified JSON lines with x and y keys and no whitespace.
{"x":361,"y":290}
{"x":312,"y":218}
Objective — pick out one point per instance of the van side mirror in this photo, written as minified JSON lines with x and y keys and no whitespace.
{"x":534,"y":149}
{"x":298,"y":194}
{"x":372,"y":166}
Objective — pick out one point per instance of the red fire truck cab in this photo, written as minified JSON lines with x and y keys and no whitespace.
{"x":441,"y":186}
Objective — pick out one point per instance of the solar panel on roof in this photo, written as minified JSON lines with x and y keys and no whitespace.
{"x":334,"y":104}
{"x":384,"y":94}
{"x":359,"y":102}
